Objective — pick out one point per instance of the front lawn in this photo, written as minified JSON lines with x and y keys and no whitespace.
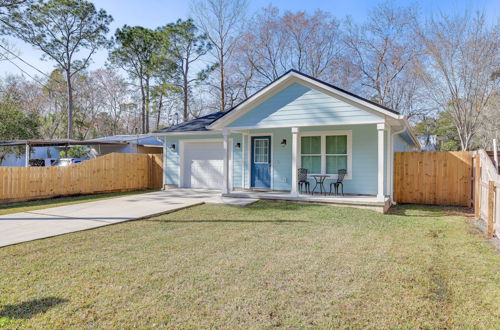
{"x":270,"y":264}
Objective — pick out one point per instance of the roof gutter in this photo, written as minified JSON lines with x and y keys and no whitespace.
{"x":406,"y":127}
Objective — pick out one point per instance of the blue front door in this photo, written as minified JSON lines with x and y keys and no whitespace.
{"x":261,"y":162}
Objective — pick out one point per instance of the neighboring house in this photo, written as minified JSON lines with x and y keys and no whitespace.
{"x":295,"y":122}
{"x":46,"y":153}
{"x":428,"y":142}
{"x":139,"y":143}
{"x":50,"y":149}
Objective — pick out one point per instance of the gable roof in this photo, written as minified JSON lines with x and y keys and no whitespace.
{"x":195,"y":125}
{"x":231,"y":113}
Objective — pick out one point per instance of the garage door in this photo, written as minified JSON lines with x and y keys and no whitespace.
{"x":203,"y":165}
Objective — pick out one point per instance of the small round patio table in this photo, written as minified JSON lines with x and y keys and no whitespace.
{"x":320,"y":181}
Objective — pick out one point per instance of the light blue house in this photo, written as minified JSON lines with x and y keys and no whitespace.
{"x":294,"y":122}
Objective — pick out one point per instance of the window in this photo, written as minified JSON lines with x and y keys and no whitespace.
{"x":261,"y":151}
{"x":311,"y":153}
{"x":326,"y":152}
{"x":336,"y":153}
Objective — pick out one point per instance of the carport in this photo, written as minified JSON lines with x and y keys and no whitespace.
{"x":28,"y":144}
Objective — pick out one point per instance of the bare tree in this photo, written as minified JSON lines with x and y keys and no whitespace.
{"x":384,"y":51}
{"x":220,"y":20}
{"x":462,"y":57}
{"x":274,"y":43}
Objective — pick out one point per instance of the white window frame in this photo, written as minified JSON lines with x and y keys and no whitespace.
{"x":323,"y":154}
{"x":268,"y":150}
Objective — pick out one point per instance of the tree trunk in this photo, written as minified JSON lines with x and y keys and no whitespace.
{"x":70,"y":104}
{"x":185,"y":90}
{"x":222,"y":91}
{"x":160,"y":105}
{"x":147,"y":105}
{"x":143,"y":107}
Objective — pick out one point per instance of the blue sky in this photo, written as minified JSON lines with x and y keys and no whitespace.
{"x":153,"y":13}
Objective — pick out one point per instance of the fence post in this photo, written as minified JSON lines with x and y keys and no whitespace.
{"x":477,"y":188}
{"x":491,"y":208}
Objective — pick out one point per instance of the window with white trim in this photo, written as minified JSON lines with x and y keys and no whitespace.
{"x":326,"y":152}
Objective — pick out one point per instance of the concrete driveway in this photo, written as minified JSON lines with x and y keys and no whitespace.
{"x":27,"y":226}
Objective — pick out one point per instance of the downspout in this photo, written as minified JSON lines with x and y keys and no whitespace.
{"x":391,"y":188}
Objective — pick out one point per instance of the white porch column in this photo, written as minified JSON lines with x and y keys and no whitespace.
{"x":295,"y":155}
{"x":380,"y":166}
{"x":164,"y":163}
{"x":225,"y":171}
{"x":388,"y":179}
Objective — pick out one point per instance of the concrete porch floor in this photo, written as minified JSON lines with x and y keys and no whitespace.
{"x":358,"y":201}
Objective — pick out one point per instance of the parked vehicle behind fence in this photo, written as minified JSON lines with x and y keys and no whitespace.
{"x":68,"y":161}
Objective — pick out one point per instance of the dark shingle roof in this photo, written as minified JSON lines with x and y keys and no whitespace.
{"x":198,"y":124}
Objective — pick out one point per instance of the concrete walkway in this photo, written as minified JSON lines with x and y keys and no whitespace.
{"x":27,"y":226}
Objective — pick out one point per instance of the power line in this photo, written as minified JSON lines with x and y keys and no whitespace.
{"x":26,"y":73}
{"x":25,"y":62}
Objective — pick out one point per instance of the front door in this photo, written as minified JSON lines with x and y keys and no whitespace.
{"x":261,"y":162}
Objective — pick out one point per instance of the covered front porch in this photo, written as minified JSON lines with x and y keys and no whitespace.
{"x":364,"y":150}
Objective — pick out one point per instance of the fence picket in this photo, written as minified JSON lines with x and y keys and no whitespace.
{"x":110,"y":173}
{"x":433,"y":178}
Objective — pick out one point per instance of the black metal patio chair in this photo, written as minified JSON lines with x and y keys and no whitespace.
{"x":302,"y":180}
{"x":338,"y":183}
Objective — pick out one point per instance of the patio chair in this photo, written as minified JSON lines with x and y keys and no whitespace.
{"x":336,"y":184}
{"x":302,"y":179}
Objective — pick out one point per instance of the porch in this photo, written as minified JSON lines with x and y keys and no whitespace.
{"x":371,"y":202}
{"x":363,"y":150}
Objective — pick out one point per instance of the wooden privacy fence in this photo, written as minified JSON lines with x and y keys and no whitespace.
{"x":442,"y":178}
{"x":110,"y":173}
{"x":486,"y":193}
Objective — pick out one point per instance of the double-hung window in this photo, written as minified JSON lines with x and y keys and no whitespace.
{"x":326,"y":152}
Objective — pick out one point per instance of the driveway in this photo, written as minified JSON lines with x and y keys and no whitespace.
{"x":27,"y":226}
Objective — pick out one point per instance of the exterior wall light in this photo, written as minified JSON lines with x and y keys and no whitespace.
{"x":172,"y":146}
{"x":238,"y":145}
{"x":283,"y":143}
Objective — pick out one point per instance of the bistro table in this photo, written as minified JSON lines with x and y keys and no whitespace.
{"x":320,"y":180}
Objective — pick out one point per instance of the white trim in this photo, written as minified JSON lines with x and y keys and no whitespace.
{"x":225,"y":172}
{"x":181,"y":157}
{"x":243,"y":151}
{"x":323,"y":135}
{"x":293,"y":76}
{"x":380,"y":161}
{"x":165,"y":150}
{"x":368,"y":122}
{"x":388,"y":160}
{"x":249,"y":160}
{"x":295,"y":164}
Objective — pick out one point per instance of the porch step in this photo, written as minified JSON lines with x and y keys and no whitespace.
{"x":354,"y":201}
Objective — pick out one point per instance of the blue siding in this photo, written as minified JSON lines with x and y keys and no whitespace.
{"x":364,"y":157}
{"x":171,"y":172}
{"x":300,"y":105}
{"x":400,"y":144}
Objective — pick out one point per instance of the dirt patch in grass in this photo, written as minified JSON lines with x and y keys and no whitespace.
{"x":270,"y":264}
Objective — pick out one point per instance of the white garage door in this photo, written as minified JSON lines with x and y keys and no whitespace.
{"x":203,"y":165}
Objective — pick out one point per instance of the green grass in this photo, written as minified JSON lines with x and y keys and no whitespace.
{"x":270,"y":264}
{"x":9,"y":208}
